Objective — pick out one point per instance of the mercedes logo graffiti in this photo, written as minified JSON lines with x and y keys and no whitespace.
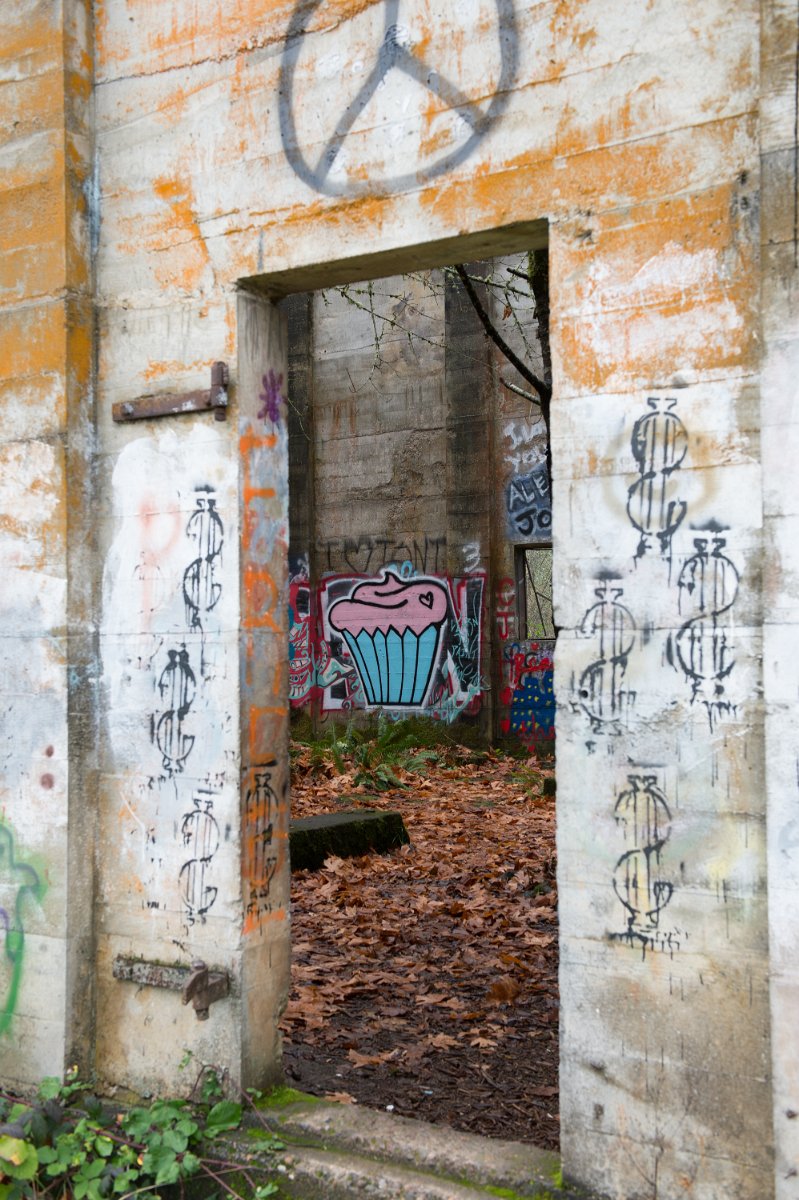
{"x":325,"y":170}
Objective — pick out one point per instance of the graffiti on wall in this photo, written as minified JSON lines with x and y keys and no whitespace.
{"x":199,"y":834}
{"x":366,"y":555}
{"x":400,"y":51}
{"x":529,"y":506}
{"x":301,"y":640}
{"x":260,"y":857}
{"x":169,"y":670}
{"x":397,"y":640}
{"x":201,"y":587}
{"x":265,"y":785}
{"x":528,"y":694}
{"x":700,"y":647}
{"x":659,"y":445}
{"x":703,"y":649}
{"x":529,"y":690}
{"x":640,"y":881}
{"x":272,"y":398}
{"x":603,"y":694}
{"x":173,"y":727}
{"x":20,"y":884}
{"x":177,"y":686}
{"x":393,"y":633}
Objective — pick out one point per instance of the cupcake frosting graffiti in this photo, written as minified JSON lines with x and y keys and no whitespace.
{"x":392,"y":629}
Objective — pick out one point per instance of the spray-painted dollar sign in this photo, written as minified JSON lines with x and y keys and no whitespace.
{"x":703,"y":647}
{"x":642,"y":812}
{"x":659,"y":444}
{"x":201,"y":590}
{"x":177,"y":686}
{"x":602,"y":692}
{"x":259,"y":816}
{"x":200,"y":833}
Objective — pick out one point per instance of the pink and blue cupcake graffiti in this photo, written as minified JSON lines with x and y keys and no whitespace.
{"x":393,"y":631}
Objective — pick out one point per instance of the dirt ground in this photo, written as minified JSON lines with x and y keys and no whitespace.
{"x":425,"y":980}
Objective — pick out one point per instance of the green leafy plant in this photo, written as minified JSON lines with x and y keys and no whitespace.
{"x":376,"y":753}
{"x":65,"y":1142}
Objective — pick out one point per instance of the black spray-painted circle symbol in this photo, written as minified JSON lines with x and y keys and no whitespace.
{"x":394,"y":54}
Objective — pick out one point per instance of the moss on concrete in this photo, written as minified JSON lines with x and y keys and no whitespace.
{"x":283,"y":1096}
{"x":347,"y":835}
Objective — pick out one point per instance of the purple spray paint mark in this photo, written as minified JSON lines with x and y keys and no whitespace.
{"x":271,"y":397}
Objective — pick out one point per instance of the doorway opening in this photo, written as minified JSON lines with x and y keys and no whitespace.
{"x":425,"y":980}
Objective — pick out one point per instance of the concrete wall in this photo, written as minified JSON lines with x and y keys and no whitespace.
{"x":779,"y":415}
{"x":47,"y":659}
{"x":277,"y":149}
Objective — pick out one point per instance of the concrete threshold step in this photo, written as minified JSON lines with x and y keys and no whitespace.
{"x":313,"y":1174}
{"x":337,"y":1151}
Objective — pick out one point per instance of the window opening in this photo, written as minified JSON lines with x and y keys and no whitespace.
{"x":534,"y":593}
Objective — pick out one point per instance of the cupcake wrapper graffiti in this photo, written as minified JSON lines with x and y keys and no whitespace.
{"x":394,"y":669}
{"x":392,"y":628}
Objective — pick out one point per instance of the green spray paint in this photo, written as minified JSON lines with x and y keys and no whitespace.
{"x":29,"y":884}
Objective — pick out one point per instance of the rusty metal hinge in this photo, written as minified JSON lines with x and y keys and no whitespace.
{"x":198,"y":984}
{"x":171,"y":404}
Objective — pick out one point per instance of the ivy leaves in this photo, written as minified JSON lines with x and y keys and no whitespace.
{"x":67,"y":1143}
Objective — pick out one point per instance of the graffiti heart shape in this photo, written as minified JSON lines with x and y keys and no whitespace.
{"x":426,"y":599}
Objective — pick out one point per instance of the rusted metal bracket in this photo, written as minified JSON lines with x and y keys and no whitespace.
{"x":171,"y":404}
{"x":204,"y":988}
{"x":198,"y":984}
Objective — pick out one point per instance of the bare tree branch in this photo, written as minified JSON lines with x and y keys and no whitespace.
{"x":544,"y":391}
{"x":512,"y":387}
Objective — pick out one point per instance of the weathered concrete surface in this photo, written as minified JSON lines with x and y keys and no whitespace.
{"x":47,"y":656}
{"x":416,"y":1145}
{"x":222,"y":160}
{"x":780,"y":443}
{"x":321,"y":1175}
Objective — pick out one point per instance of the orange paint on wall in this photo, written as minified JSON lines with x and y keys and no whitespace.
{"x":262,"y":599}
{"x":175,"y":368}
{"x":33,"y":104}
{"x":25,"y":275}
{"x":32,"y":214}
{"x":644,"y":288}
{"x":213,"y":27}
{"x":35,"y":36}
{"x":33,"y":340}
{"x":186,"y":265}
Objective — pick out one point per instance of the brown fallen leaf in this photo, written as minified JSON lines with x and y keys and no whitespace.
{"x":503,"y":990}
{"x":441,"y":1041}
{"x":341,"y":1097}
{"x":364,"y":1060}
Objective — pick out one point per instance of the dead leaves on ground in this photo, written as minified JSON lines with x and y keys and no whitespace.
{"x":436,"y":962}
